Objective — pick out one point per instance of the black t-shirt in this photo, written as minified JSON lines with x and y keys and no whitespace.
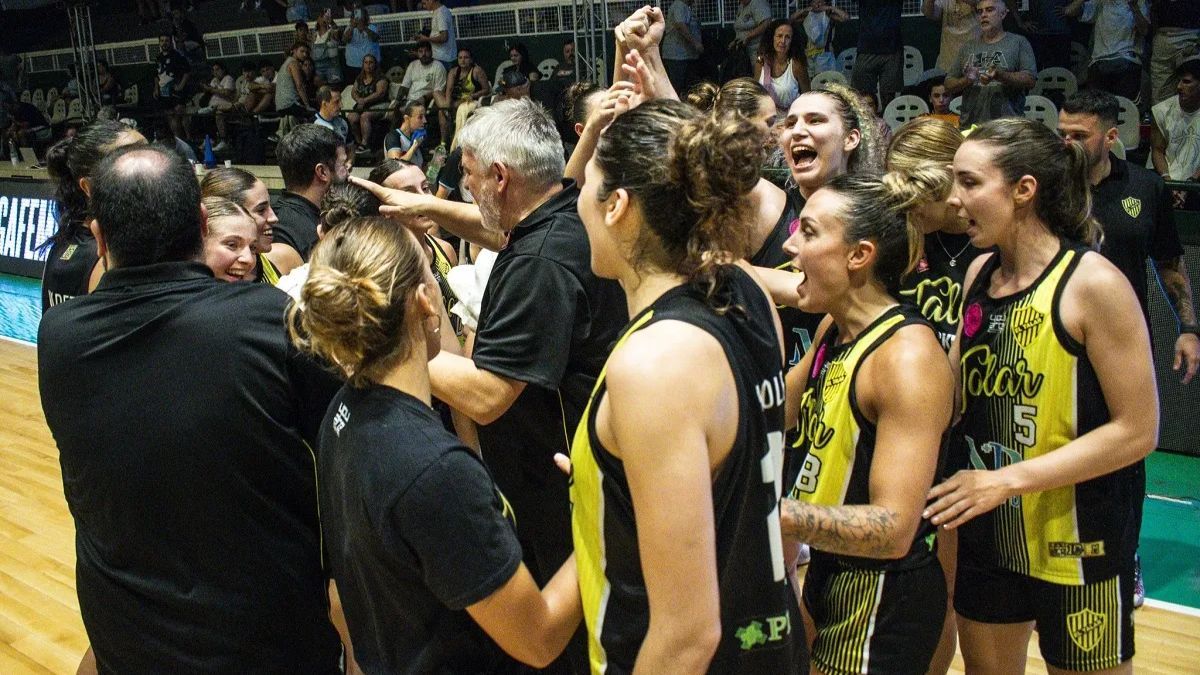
{"x":69,"y":268}
{"x":545,"y":320}
{"x":415,"y":532}
{"x":176,"y":65}
{"x":935,"y":287}
{"x":184,"y":421}
{"x":297,"y":226}
{"x":1134,"y":210}
{"x":879,"y":27}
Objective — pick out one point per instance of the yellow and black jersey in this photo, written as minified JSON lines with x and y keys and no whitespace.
{"x":440,"y":265}
{"x":761,"y":630}
{"x":837,"y":441}
{"x":1029,"y":389}
{"x":935,"y":287}
{"x":267,"y":272}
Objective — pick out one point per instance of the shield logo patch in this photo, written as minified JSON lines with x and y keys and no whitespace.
{"x":1086,"y":628}
{"x":1132,"y":206}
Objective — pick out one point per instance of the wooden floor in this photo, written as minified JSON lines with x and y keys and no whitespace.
{"x":40,"y":629}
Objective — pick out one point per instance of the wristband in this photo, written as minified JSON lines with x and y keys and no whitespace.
{"x":1194,"y":329}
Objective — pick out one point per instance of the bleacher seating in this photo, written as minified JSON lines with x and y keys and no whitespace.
{"x":1041,"y":109}
{"x":546,"y":67}
{"x":914,"y":65}
{"x":821,"y":79}
{"x":1128,"y":124}
{"x":902,"y":109}
{"x":846,"y":61}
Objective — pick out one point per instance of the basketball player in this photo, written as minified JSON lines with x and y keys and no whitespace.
{"x":874,"y":591}
{"x":1059,"y":405}
{"x":677,"y":459}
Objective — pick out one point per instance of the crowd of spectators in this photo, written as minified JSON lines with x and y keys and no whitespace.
{"x":988,"y":58}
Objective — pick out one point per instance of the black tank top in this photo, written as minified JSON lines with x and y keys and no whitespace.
{"x":69,"y":266}
{"x":761,"y":630}
{"x":935,"y":287}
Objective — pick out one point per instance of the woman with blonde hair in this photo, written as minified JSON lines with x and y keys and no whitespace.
{"x":420,"y":542}
{"x":242,"y":187}
{"x":229,"y":240}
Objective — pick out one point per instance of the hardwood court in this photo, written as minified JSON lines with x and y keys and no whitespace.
{"x":40,"y":628}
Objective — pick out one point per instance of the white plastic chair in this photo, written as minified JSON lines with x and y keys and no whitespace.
{"x":846,"y":61}
{"x":914,"y":65}
{"x":1041,"y":109}
{"x":1128,"y":125}
{"x":132,"y":95}
{"x":1055,"y":79}
{"x":75,"y":110}
{"x":348,"y":98}
{"x":39,"y":99}
{"x":547,"y":67}
{"x":395,"y":74}
{"x":955,"y":105}
{"x":58,"y":112}
{"x":826,"y":77}
{"x":52,"y":95}
{"x":902,"y":109}
{"x":26,"y":97}
{"x":1118,"y":149}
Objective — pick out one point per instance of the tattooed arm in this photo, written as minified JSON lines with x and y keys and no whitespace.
{"x":1174,"y":276}
{"x":910,"y":422}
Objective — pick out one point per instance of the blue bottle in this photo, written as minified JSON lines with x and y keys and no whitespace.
{"x":210,"y":158}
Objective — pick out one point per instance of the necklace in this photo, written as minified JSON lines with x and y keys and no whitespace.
{"x":953,"y":256}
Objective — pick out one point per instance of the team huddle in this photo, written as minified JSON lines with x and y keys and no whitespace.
{"x":696,"y":422}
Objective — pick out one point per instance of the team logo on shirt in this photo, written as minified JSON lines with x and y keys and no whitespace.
{"x":834,"y":377}
{"x":762,"y":631}
{"x":1026,"y":323}
{"x":1132,"y":206}
{"x":70,"y":251}
{"x":1086,"y":628}
{"x":340,"y":419}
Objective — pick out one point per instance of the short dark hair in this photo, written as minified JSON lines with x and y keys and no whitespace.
{"x":128,"y":180}
{"x":1190,"y":66}
{"x":1094,"y":102}
{"x":325,"y":93}
{"x":267,"y":64}
{"x":302,"y":149}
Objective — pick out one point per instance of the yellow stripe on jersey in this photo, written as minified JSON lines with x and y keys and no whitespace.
{"x":587,"y":520}
{"x":844,"y":646}
{"x":829,"y":430}
{"x":1093,"y":625}
{"x":1026,"y":382}
{"x":270,"y":273}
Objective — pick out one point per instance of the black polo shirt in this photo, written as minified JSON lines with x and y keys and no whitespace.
{"x":548,"y":321}
{"x":1134,"y":209}
{"x":184,"y":421}
{"x":297,"y":226}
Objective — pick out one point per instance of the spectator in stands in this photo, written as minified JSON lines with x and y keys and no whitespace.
{"x":565,"y":70}
{"x":220,"y":89}
{"x":188,"y":38}
{"x":326,"y":45}
{"x":779,"y":67}
{"x":70,"y":90}
{"x":361,"y":38}
{"x":1175,"y":127}
{"x":190,"y":540}
{"x":291,"y":88}
{"x":466,"y":83}
{"x":164,"y":136}
{"x":1133,"y":234}
{"x":302,"y":33}
{"x":1120,"y":26}
{"x":404,"y":142}
{"x":880,"y":60}
{"x":750,"y":24}
{"x":442,"y":33}
{"x":681,"y":45}
{"x":1176,"y":37}
{"x":110,"y":87}
{"x":230,"y":237}
{"x":297,"y":10}
{"x":1049,"y":32}
{"x":311,"y":158}
{"x":518,"y":54}
{"x":422,"y":77}
{"x":958,"y":26}
{"x":246,"y":99}
{"x":994,"y":72}
{"x":370,"y":90}
{"x":329,"y":113}
{"x":308,"y":68}
{"x":818,"y":19}
{"x":171,"y":91}
{"x":939,"y":103}
{"x":513,"y":85}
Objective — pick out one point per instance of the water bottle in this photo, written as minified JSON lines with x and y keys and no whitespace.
{"x":210,"y":158}
{"x":13,"y":153}
{"x":436,"y":160}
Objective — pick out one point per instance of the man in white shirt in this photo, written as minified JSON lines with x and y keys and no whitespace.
{"x":1116,"y":43}
{"x":441,"y":34}
{"x":422,"y":77}
{"x":1175,"y":130}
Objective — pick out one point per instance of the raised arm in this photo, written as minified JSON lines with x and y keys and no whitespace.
{"x":461,"y":219}
{"x":910,"y":423}
{"x":1100,"y":310}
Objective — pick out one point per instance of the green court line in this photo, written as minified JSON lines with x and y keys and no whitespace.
{"x":1170,"y":542}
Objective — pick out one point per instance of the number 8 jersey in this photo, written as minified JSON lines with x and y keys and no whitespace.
{"x":1027,"y":390}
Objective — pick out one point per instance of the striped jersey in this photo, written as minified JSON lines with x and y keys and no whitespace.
{"x":760,"y":627}
{"x":837,"y":441}
{"x":1027,"y":390}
